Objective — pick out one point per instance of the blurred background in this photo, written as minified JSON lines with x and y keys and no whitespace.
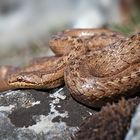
{"x":27,"y":25}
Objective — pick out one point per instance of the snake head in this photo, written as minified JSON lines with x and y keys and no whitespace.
{"x":24,"y":80}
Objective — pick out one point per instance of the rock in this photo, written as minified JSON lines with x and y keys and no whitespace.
{"x":34,"y":114}
{"x":134,"y":131}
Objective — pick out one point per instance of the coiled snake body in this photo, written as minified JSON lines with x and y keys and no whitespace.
{"x":97,"y":66}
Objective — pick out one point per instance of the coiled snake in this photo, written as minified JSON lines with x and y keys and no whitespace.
{"x":97,"y":66}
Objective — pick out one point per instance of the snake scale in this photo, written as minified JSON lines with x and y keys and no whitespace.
{"x":97,"y":66}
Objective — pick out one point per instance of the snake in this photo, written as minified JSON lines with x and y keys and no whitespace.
{"x":96,"y":65}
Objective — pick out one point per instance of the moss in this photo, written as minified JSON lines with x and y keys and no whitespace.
{"x":111,"y":123}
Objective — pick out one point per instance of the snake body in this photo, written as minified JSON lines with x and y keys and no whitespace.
{"x":106,"y":74}
{"x":97,"y":66}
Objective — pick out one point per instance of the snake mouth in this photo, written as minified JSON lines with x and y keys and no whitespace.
{"x":21,"y":85}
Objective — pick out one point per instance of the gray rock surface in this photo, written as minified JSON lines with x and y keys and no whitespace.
{"x":34,"y":114}
{"x":134,"y":131}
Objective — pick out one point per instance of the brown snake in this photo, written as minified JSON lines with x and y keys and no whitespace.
{"x":97,"y":66}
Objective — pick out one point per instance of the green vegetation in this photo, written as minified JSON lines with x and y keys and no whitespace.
{"x":132,"y":26}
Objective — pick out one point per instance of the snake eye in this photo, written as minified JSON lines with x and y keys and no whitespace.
{"x":19,"y":78}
